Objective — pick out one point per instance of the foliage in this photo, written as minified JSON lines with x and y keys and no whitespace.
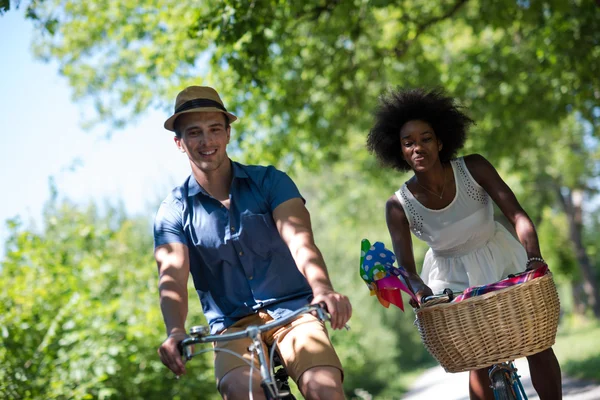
{"x":79,"y":311}
{"x":578,"y":350}
{"x":304,"y":76}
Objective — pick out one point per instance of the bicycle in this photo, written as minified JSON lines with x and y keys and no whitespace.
{"x":504,"y":379}
{"x":274,"y":380}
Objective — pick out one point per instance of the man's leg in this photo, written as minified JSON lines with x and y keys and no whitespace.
{"x":309,"y":358}
{"x":545,"y":375}
{"x":320,"y":383}
{"x":235,"y":385}
{"x":231,"y":373}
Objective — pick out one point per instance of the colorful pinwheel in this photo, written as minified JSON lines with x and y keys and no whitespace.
{"x":383,"y":279}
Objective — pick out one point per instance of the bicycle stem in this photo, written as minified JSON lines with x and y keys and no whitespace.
{"x":257,"y":347}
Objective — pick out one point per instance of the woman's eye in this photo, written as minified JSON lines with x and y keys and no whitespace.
{"x":407,"y":144}
{"x":427,"y":139}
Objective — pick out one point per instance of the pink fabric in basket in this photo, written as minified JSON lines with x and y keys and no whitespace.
{"x":514,"y":280}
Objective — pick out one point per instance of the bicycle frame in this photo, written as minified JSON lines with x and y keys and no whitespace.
{"x":199,"y":334}
{"x":510,"y":373}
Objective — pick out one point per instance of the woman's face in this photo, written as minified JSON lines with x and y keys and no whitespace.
{"x":420,"y":146}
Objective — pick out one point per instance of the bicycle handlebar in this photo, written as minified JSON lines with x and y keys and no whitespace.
{"x":199,"y":333}
{"x":446,"y":297}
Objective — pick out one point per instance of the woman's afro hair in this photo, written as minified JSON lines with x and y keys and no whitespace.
{"x":401,"y":106}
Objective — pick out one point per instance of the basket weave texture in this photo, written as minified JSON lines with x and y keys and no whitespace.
{"x":475,"y":333}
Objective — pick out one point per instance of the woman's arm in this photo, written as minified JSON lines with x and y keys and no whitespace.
{"x":402,"y":242}
{"x":486,"y":175}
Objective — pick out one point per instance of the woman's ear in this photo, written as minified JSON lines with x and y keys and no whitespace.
{"x":440,"y":145}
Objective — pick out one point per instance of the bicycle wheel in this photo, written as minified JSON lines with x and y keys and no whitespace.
{"x":502,"y":387}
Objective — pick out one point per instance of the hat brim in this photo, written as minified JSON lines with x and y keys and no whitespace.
{"x":169,"y":123}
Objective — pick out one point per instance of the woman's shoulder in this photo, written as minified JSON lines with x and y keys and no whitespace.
{"x":474,"y":159}
{"x":479,"y":167}
{"x":394,"y":205}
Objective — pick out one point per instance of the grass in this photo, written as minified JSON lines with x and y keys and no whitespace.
{"x":578,"y":348}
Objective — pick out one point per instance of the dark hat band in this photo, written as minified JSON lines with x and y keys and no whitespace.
{"x":199,"y":103}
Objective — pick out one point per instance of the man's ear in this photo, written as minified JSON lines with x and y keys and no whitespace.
{"x":228,"y":133}
{"x":177,"y":141}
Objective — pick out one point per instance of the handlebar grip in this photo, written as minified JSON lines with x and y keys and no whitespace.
{"x":322,"y":312}
{"x":446,"y":297}
{"x":185,"y":350}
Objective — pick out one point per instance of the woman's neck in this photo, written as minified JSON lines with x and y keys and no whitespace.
{"x":434,"y":178}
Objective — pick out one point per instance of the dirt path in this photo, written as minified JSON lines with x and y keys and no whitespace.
{"x":437,"y":384}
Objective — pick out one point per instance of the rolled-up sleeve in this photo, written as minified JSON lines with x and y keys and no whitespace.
{"x":168,"y":224}
{"x":279,"y":188}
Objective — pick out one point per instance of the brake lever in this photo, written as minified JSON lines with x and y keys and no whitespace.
{"x":324,"y":316}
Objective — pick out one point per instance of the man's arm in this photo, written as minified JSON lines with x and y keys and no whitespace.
{"x":173,"y":271}
{"x":293,"y":222}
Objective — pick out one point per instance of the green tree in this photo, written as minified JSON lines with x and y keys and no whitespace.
{"x":305,"y":75}
{"x":79,"y":311}
{"x":563,"y":176}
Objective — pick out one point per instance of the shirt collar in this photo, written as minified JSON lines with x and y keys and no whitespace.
{"x":194,"y":187}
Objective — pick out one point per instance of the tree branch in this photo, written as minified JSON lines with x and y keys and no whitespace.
{"x":316,"y":12}
{"x":402,"y":48}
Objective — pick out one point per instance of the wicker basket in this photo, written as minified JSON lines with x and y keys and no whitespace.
{"x":495,"y":327}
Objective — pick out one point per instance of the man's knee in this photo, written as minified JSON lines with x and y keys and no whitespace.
{"x":321,"y":383}
{"x":235,"y":385}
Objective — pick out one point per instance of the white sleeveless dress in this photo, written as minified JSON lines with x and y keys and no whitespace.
{"x":467,"y":247}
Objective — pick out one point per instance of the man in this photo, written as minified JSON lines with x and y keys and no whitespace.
{"x":246,"y":237}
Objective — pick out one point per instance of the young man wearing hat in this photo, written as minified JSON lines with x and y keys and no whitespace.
{"x":245,"y":235}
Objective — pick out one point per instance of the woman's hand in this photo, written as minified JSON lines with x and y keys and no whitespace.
{"x":419,"y":288}
{"x":535,"y":265}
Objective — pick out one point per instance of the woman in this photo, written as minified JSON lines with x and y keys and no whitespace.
{"x":448,"y":204}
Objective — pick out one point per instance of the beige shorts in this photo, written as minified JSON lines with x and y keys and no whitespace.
{"x":302,"y":344}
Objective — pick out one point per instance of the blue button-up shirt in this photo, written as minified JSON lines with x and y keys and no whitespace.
{"x":238,"y":260}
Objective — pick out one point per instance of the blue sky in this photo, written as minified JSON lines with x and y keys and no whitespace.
{"x":41,"y":136}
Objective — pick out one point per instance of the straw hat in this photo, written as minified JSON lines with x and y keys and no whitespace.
{"x":197,"y":99}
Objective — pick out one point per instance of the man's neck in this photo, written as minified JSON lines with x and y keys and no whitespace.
{"x":216,"y":182}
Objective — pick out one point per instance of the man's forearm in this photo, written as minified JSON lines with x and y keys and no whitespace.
{"x":173,"y":304}
{"x":311,"y":264}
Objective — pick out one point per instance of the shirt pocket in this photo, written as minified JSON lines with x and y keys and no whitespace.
{"x":259,"y":233}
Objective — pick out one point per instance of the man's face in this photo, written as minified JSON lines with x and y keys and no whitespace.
{"x":204,"y":138}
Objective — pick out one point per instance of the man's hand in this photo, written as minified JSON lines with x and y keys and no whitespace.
{"x":338,"y":306}
{"x":170,"y":355}
{"x":419,"y":288}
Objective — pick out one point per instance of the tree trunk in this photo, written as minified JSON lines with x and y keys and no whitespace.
{"x":572,"y":205}
{"x":579,"y":303}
